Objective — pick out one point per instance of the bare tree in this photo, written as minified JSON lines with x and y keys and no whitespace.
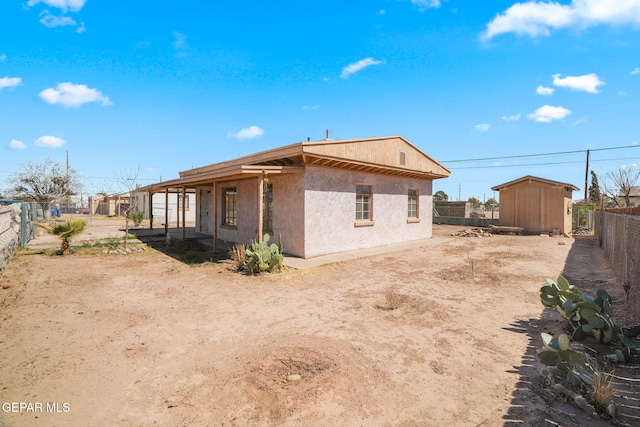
{"x":624,"y":179}
{"x":125,"y":182}
{"x":44,"y":183}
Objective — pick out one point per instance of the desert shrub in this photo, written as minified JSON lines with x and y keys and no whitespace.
{"x":137,"y":217}
{"x":238,"y":255}
{"x":65,"y":231}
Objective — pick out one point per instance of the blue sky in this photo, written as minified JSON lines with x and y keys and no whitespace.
{"x":169,"y":86}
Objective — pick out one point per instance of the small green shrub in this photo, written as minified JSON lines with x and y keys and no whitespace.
{"x":137,"y":218}
{"x":65,"y":230}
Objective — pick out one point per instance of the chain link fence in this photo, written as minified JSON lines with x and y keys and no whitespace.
{"x":619,"y":236}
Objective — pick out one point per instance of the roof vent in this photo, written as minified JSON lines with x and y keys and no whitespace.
{"x":402,"y":158}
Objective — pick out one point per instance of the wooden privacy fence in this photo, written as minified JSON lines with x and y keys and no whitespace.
{"x":624,"y":211}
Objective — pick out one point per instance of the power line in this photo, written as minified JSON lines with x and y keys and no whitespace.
{"x":541,"y":164}
{"x":559,"y":153}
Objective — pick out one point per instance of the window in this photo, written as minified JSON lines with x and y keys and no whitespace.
{"x":183,"y":202}
{"x":364,"y":201}
{"x":267,"y":208}
{"x":412,"y":209}
{"x":229,"y":208}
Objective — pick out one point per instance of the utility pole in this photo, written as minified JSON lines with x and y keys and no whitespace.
{"x":67,"y":181}
{"x":586,"y":178}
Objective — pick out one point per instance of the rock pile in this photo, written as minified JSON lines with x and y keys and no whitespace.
{"x":472,"y":232}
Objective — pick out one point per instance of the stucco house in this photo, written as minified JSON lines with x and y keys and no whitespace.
{"x":537,"y":205}
{"x":319,"y":197}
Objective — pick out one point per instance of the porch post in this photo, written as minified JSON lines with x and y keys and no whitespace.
{"x":166,"y":212}
{"x":260,"y":208}
{"x":184,"y":192}
{"x":178,"y":208}
{"x":215,"y":217}
{"x":150,"y":210}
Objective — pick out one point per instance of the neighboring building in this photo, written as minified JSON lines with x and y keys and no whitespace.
{"x":112,"y":205}
{"x":173,"y":203}
{"x":320,"y":197}
{"x":537,"y":205}
{"x":634,"y":196}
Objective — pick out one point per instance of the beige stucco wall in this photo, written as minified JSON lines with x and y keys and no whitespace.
{"x":535,"y":206}
{"x":288,"y":212}
{"x":329,"y":204}
{"x":247,"y":206}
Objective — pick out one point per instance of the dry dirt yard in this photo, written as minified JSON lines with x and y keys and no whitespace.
{"x":144,"y":339}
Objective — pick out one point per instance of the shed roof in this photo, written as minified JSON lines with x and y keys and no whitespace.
{"x":533,"y":178}
{"x":391,"y":155}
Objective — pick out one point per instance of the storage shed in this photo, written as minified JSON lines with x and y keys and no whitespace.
{"x":537,"y":205}
{"x":319,"y":197}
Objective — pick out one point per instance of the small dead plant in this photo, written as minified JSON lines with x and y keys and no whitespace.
{"x":393,"y":299}
{"x":602,"y":389}
{"x":238,"y":255}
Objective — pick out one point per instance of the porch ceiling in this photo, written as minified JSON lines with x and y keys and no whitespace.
{"x":366,"y":167}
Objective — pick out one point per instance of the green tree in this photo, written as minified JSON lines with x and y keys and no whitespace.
{"x":474,"y":202}
{"x":440,"y":196}
{"x":595,"y":195}
{"x":44,"y":183}
{"x":490,"y":201}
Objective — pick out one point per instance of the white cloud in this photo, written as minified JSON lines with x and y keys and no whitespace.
{"x":382,"y":12}
{"x":310,"y":107}
{"x":64,"y":5}
{"x":512,"y":118}
{"x":49,"y":141}
{"x":3,"y":57}
{"x":81,"y":28}
{"x":17,"y":145}
{"x":541,"y":90}
{"x":622,"y":93}
{"x":51,"y":21}
{"x":179,"y":40}
{"x":247,"y":133}
{"x":73,"y":95}
{"x":357,"y":66}
{"x":482,"y":127}
{"x":635,"y":71}
{"x":537,"y":18}
{"x":547,"y":113}
{"x":10,"y":82}
{"x":587,"y":83}
{"x":426,"y":4}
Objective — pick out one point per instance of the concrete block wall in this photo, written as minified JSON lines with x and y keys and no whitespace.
{"x":9,"y":238}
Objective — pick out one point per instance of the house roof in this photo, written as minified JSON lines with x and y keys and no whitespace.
{"x":635,"y":192}
{"x":391,"y":155}
{"x":529,"y":178}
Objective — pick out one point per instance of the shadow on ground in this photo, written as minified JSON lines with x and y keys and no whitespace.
{"x":587,"y":268}
{"x":190,"y":251}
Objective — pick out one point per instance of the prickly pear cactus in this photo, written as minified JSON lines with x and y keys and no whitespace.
{"x":262,"y":257}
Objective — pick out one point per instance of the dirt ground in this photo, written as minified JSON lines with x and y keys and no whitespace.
{"x":442,"y":335}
